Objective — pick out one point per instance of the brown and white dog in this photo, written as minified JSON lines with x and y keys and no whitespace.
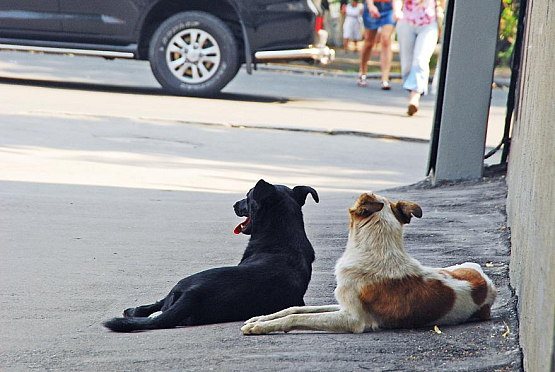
{"x":380,"y":286}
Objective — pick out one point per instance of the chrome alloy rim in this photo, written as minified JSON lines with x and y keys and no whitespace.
{"x":193,"y":56}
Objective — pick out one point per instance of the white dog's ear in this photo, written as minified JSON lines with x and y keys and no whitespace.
{"x":366,"y":209}
{"x":404,"y":211}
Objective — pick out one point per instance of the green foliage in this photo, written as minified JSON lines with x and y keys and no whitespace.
{"x":509,"y":15}
{"x":507,"y":31}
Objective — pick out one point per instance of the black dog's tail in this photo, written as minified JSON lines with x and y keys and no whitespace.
{"x":137,"y":324}
{"x":170,"y":318}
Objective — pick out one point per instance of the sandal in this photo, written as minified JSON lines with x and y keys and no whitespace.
{"x":361,"y":82}
{"x":385,"y":85}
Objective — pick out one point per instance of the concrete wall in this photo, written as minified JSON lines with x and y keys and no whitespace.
{"x":531,"y":197}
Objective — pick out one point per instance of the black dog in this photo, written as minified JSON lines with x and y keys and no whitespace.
{"x":273,"y":274}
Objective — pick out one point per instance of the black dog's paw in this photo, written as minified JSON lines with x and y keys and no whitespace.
{"x":128,"y":313}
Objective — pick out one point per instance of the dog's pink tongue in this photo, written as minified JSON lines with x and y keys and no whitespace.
{"x":239,"y":227}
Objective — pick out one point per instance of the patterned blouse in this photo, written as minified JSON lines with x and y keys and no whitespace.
{"x":419,"y":12}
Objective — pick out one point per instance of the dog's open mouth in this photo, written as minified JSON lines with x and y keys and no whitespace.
{"x":243,"y":227}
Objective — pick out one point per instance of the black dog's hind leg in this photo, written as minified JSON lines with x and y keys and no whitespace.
{"x":143,"y":311}
{"x":185,"y":307}
{"x":146,"y":310}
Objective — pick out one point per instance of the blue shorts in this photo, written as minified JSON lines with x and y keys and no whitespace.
{"x":386,"y":15}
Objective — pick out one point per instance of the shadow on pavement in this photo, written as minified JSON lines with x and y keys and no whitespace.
{"x":93,"y":87}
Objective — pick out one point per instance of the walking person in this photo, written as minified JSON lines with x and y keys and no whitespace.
{"x":377,"y":16}
{"x":351,"y":26}
{"x":343,"y":4}
{"x":417,"y":34}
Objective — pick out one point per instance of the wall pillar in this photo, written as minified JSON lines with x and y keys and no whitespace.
{"x":465,"y":100}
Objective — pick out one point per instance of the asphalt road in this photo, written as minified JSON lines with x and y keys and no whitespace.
{"x":52,"y":85}
{"x":111,"y":191}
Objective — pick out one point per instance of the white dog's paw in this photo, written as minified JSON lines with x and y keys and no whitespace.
{"x":254,"y":319}
{"x":253,"y":329}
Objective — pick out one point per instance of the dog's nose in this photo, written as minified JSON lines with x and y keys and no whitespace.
{"x":238,"y":208}
{"x":241,"y":208}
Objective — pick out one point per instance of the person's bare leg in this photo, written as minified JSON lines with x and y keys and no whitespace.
{"x":386,"y":53}
{"x":346,"y":45}
{"x":366,"y":51}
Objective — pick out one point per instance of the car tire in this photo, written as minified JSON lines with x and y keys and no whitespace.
{"x":194,"y":54}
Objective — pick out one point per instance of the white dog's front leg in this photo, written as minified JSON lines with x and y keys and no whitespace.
{"x":337,"y":321}
{"x":294,"y":310}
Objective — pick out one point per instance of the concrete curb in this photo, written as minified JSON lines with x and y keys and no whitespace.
{"x":320,"y":72}
{"x":330,"y":132}
{"x":501,"y":82}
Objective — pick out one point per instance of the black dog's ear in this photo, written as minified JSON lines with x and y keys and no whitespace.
{"x":301,"y":192}
{"x":404,"y":211}
{"x":262,"y":190}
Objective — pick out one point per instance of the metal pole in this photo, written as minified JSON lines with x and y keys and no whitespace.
{"x":467,"y":90}
{"x":515,"y":69}
{"x":442,"y":65}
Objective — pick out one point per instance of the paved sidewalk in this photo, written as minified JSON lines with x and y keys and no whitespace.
{"x":107,"y":199}
{"x":461,"y":222}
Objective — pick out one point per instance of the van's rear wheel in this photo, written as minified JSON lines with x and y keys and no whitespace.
{"x":193,"y":54}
